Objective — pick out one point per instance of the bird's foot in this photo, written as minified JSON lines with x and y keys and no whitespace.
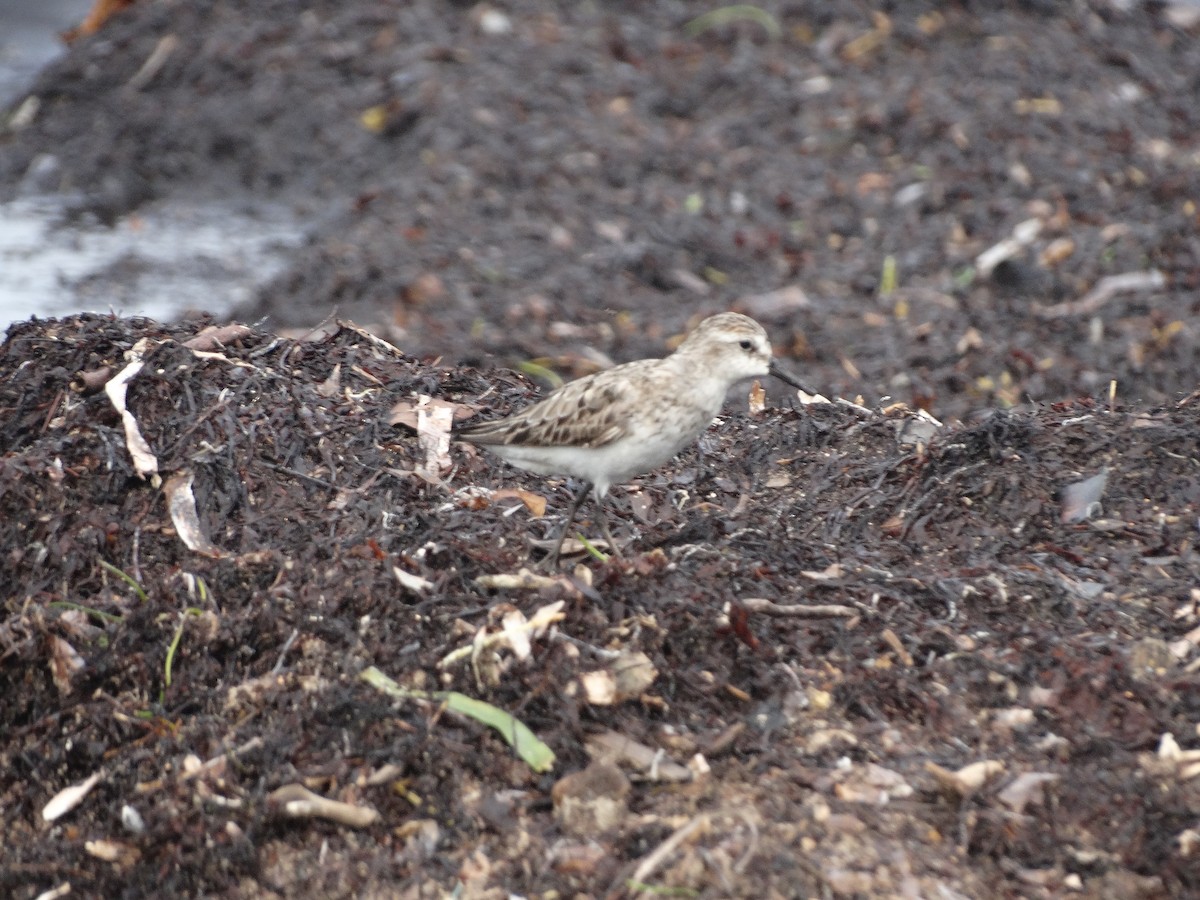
{"x":601,"y":550}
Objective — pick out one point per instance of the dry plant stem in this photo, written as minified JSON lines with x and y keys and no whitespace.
{"x":658,"y":856}
{"x":798,"y":610}
{"x":207,"y":766}
{"x":1108,"y":287}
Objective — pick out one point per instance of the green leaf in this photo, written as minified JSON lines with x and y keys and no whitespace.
{"x":535,"y":369}
{"x":533,"y":751}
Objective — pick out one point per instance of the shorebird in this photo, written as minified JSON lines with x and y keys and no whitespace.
{"x":607,"y":427}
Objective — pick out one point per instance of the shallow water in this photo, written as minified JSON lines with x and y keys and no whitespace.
{"x":29,"y":38}
{"x":161,"y":261}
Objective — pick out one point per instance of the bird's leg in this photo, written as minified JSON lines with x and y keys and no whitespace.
{"x":602,"y":519}
{"x":551,"y":561}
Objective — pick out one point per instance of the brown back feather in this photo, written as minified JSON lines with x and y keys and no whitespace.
{"x":583,"y":413}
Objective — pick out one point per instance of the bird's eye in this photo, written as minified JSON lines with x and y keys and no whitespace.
{"x":746,"y":345}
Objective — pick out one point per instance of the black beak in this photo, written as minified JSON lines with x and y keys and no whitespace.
{"x":788,"y":377}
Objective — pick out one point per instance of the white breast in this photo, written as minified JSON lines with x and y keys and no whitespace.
{"x":644,"y":449}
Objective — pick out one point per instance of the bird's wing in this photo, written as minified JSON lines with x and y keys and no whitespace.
{"x":591,"y":412}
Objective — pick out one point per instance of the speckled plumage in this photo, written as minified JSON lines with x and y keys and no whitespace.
{"x":607,"y":427}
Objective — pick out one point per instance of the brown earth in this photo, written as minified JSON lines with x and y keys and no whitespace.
{"x":578,"y":188}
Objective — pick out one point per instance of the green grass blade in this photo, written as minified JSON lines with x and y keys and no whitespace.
{"x":113,"y":570}
{"x":536,"y":754}
{"x":724,"y":15}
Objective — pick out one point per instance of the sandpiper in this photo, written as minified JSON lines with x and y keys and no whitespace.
{"x":610,"y":426}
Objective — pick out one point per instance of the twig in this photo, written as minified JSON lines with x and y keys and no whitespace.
{"x":598,"y":652}
{"x":209,"y":765}
{"x":798,"y":610}
{"x":1105,"y":290}
{"x":752,"y":845}
{"x":1023,"y":234}
{"x":656,"y":858}
{"x":287,"y":645}
{"x":154,"y":62}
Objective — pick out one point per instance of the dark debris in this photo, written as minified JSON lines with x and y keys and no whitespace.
{"x":956,"y":547}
